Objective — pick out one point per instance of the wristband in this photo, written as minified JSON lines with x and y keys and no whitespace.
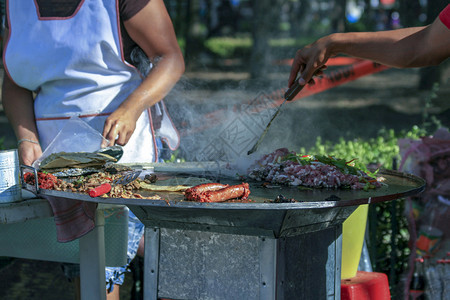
{"x":26,"y":140}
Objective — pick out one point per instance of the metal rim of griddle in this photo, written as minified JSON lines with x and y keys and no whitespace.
{"x":418,"y":188}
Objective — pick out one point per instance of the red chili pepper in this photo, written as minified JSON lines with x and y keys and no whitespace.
{"x":100,"y":190}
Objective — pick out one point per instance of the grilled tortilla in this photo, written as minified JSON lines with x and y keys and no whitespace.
{"x":174,"y":184}
{"x":62,"y":160}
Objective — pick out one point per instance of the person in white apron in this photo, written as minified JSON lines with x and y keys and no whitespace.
{"x":74,"y":66}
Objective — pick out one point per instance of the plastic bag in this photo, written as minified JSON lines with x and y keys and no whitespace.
{"x":75,"y":136}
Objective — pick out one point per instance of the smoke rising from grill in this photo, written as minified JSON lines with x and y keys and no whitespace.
{"x":222,"y":127}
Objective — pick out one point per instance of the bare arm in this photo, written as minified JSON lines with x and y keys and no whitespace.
{"x":401,"y":48}
{"x":152,"y":30}
{"x":19,"y":109}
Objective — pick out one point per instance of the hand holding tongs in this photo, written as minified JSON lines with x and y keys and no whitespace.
{"x":288,"y":96}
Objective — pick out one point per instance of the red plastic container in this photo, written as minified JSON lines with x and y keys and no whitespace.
{"x":366,"y":286}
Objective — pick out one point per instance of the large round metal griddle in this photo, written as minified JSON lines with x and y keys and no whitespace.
{"x":316,"y":208}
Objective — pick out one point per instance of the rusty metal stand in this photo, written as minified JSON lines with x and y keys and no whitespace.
{"x":182,"y":264}
{"x":151,"y":263}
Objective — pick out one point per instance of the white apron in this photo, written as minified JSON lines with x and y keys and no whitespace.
{"x":76,"y":66}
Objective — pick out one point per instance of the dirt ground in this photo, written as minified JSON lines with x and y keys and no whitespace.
{"x":388,"y":99}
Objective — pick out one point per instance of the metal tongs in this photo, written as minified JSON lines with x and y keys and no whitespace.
{"x":31,"y":188}
{"x":106,"y":187}
{"x":288,"y":96}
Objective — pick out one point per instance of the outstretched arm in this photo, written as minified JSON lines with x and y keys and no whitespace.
{"x":401,"y":48}
{"x":152,"y":29}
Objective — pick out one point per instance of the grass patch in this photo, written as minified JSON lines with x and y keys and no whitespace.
{"x":227,"y":47}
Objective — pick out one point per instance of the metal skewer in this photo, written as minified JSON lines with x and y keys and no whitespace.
{"x":288,"y":96}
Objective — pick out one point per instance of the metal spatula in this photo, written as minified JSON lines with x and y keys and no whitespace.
{"x":288,"y":96}
{"x":115,"y":151}
{"x":123,"y":180}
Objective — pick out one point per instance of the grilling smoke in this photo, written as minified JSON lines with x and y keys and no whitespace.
{"x":222,"y":127}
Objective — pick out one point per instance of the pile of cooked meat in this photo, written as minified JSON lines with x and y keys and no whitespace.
{"x":288,"y":168}
{"x":84,"y":184}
